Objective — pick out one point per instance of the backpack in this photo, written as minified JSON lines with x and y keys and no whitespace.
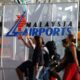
{"x":52,"y":50}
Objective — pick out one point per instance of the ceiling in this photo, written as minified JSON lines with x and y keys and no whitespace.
{"x":12,"y":1}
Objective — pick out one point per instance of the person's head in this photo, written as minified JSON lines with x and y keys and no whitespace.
{"x":38,"y":41}
{"x":65,"y":42}
{"x":51,"y":46}
{"x":71,"y":38}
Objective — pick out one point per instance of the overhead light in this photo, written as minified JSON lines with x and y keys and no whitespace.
{"x":69,"y":0}
{"x":76,"y":5}
{"x":5,"y":30}
{"x":69,"y":8}
{"x":58,"y":0}
{"x":0,"y":4}
{"x":59,"y":8}
{"x":0,"y":18}
{"x":38,"y":7}
{"x":64,"y":17}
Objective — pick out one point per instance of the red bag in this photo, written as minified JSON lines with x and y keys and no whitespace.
{"x":52,"y":78}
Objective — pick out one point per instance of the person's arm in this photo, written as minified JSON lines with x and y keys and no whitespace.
{"x":35,"y":63}
{"x":73,"y":50}
{"x":20,"y":37}
{"x":63,"y":59}
{"x":30,"y":41}
{"x":25,"y":42}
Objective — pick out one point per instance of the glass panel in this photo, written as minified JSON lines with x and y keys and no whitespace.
{"x":13,"y":50}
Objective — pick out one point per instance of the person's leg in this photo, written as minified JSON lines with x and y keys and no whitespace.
{"x":20,"y":74}
{"x":30,"y":71}
{"x":69,"y":72}
{"x":46,"y":73}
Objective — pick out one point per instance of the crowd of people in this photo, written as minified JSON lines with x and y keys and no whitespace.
{"x":45,"y":62}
